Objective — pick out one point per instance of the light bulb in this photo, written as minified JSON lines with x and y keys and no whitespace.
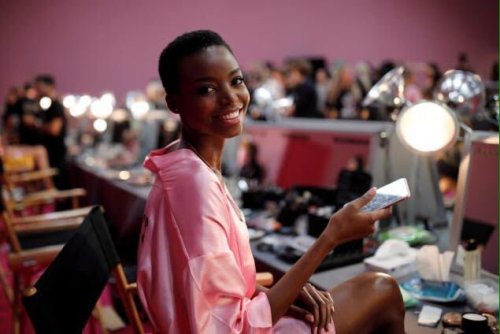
{"x":100,"y":125}
{"x":427,"y":127}
{"x":45,"y":102}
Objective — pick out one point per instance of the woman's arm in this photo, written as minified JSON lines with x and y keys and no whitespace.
{"x":347,"y":224}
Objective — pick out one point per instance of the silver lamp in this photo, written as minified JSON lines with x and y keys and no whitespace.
{"x":388,"y":91}
{"x":462,"y":91}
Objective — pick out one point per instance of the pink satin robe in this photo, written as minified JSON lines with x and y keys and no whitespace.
{"x":196,"y":272}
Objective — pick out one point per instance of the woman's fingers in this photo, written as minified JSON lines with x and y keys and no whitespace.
{"x":325,"y":306}
{"x":381,"y":214}
{"x":320,"y":304}
{"x":365,"y":199}
{"x":309,"y":300}
{"x":329,"y":299}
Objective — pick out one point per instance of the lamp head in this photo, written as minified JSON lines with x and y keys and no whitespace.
{"x":462,"y":91}
{"x":427,"y":127}
{"x":388,"y":91}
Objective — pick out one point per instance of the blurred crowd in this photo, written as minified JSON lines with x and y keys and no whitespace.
{"x":311,"y":88}
{"x":35,"y":116}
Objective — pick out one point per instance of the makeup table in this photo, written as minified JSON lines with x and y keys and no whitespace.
{"x":124,"y":205}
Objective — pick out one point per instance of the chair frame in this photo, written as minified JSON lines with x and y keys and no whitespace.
{"x":126,"y":290}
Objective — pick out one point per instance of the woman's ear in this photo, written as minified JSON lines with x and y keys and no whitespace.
{"x":171,"y":103}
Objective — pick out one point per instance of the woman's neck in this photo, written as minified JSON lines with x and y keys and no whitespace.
{"x":209,"y":149}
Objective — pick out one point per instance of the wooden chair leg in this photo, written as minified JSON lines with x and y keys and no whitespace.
{"x":16,"y":306}
{"x":128,"y":300}
{"x":6,"y":286}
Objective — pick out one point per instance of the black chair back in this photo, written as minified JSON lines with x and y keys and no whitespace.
{"x":62,"y":299}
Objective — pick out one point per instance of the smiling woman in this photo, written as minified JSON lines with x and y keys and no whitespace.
{"x":196,"y":273}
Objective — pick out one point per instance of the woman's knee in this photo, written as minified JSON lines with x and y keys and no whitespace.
{"x":385,"y":288}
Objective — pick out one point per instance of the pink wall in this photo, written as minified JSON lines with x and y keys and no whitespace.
{"x":94,"y":45}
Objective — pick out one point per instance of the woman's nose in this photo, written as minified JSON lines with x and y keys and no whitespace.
{"x":229,"y":96}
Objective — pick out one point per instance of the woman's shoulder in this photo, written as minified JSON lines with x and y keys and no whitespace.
{"x":180,"y":166}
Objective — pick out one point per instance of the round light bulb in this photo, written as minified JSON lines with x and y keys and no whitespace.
{"x":45,"y":102}
{"x":124,"y":175}
{"x":86,"y":100}
{"x":100,"y":125}
{"x":78,"y":109}
{"x":109,"y":98}
{"x":427,"y":127}
{"x":69,"y":101}
{"x":139,"y":109}
{"x":101,"y":108}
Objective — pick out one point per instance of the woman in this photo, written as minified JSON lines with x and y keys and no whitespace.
{"x":196,"y":270}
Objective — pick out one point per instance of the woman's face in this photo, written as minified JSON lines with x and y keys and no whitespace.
{"x":212,"y":98}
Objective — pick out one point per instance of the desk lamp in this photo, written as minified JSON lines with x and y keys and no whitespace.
{"x":430,"y":127}
{"x":425,"y":128}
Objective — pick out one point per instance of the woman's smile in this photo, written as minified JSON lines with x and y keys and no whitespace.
{"x":231,"y":116}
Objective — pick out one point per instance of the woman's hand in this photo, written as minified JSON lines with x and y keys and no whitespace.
{"x":315,"y":307}
{"x":349,"y":223}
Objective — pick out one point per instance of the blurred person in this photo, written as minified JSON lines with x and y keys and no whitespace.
{"x":344,"y":96}
{"x":425,"y":76}
{"x":322,"y":84}
{"x":251,"y":168}
{"x":412,"y":90}
{"x":274,"y":81}
{"x":494,"y":72}
{"x":434,"y":74}
{"x":53,"y":128}
{"x":364,"y":75}
{"x":155,"y":94}
{"x":129,"y":154}
{"x":254,"y":77}
{"x":353,"y":180}
{"x":269,"y":88}
{"x":385,"y":67}
{"x":11,"y":116}
{"x":463,"y":63}
{"x":301,"y":90}
{"x":29,"y":111}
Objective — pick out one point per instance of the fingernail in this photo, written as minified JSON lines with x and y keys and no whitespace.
{"x":372,"y":191}
{"x":309,"y":317}
{"x":329,"y":327}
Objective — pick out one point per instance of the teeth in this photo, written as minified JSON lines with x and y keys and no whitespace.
{"x":232,"y":115}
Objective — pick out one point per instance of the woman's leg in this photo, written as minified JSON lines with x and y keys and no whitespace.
{"x":369,"y":303}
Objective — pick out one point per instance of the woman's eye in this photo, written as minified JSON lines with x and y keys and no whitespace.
{"x":204,"y":90}
{"x":238,"y":81}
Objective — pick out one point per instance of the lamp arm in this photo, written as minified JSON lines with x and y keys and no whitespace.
{"x":465,"y":127}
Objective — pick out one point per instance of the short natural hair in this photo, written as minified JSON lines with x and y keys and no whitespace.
{"x":184,"y":45}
